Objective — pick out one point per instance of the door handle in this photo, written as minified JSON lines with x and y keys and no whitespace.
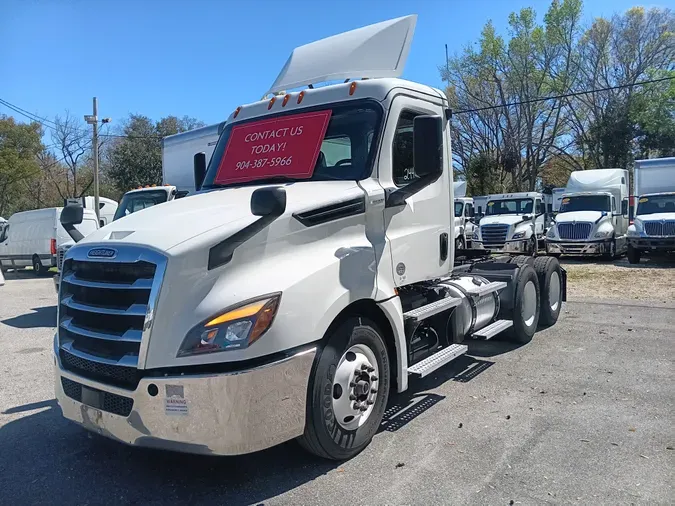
{"x":444,"y":246}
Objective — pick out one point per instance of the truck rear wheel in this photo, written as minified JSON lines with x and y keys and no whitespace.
{"x":348,"y":391}
{"x":526,"y":306}
{"x":38,"y":268}
{"x":550,"y":287}
{"x":633,"y":255}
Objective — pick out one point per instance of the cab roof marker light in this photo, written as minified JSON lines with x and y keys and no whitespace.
{"x":301,"y":96}
{"x":236,"y":112}
{"x":272,"y":100}
{"x":352,"y":88}
{"x":285,"y":101}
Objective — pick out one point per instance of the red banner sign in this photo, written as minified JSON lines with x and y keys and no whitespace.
{"x":287,"y":146}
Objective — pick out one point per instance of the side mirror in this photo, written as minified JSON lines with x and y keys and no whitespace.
{"x":70,"y":216}
{"x":268,"y":201}
{"x":480,"y":211}
{"x":624,"y":207}
{"x":472,"y":213}
{"x":527,"y":216}
{"x":428,"y":145}
{"x":199,"y":170}
{"x":549,"y":208}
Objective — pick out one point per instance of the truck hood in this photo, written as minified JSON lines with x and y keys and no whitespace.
{"x":165,"y":226}
{"x":656,"y":216}
{"x":501,"y":219}
{"x":586,"y":216}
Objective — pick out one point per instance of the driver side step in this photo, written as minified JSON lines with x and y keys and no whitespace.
{"x":438,"y":359}
{"x":492,"y":330}
{"x":436,"y":307}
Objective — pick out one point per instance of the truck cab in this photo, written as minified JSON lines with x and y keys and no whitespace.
{"x":464,"y":222}
{"x":311,"y":274}
{"x":593,"y":215}
{"x":512,"y":223}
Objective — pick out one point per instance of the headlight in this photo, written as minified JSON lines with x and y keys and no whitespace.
{"x":518,"y":235}
{"x":632,"y":232}
{"x":604,"y":233}
{"x":236,"y":328}
{"x":475,"y":235}
{"x":638,"y":225}
{"x":551,"y":232}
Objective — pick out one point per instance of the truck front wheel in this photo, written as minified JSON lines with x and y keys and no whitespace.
{"x":633,"y":255}
{"x":348,"y":391}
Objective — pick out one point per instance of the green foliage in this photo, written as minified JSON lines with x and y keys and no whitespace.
{"x":136,"y":159}
{"x":19,"y":146}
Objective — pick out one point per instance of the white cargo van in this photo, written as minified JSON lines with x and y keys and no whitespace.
{"x":593,"y":215}
{"x":653,"y":228}
{"x":32,"y":238}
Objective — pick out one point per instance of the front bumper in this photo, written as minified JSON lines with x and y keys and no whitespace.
{"x":518,"y":246}
{"x":218,"y":414}
{"x":653,"y":243}
{"x":578,"y":248}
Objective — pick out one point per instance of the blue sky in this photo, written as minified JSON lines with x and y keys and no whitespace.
{"x":204,"y":58}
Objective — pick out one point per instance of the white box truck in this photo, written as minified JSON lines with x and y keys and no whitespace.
{"x":32,"y":238}
{"x":512,"y":223}
{"x":464,"y":216}
{"x":294,"y":292}
{"x":653,"y":228}
{"x":593,"y":215}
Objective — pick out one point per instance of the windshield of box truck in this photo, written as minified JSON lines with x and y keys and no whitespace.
{"x":656,"y":204}
{"x":510,"y":206}
{"x":459,"y":207}
{"x":585,"y":203}
{"x":136,"y":201}
{"x":322,"y":144}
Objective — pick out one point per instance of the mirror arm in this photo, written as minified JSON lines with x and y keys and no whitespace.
{"x":74,"y":233}
{"x":397,"y":196}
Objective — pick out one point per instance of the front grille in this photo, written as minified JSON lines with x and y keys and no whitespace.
{"x":660,"y":228}
{"x":494,"y":235}
{"x":106,"y":401}
{"x":103,"y":306}
{"x":59,"y":259}
{"x":574,"y":231}
{"x":118,"y":375}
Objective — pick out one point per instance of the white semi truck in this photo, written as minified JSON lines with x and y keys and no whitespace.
{"x":512,"y":223}
{"x":290,"y":295}
{"x":464,"y":216}
{"x":593,"y":215}
{"x":653,"y":228}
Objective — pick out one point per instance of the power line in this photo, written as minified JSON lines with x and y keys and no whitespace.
{"x":29,"y":115}
{"x":566,"y":95}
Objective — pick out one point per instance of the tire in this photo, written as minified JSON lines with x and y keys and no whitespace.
{"x":325,"y":435}
{"x":611,"y":254}
{"x":633,"y":255}
{"x":526,"y":306}
{"x":38,"y":268}
{"x":531,"y":249}
{"x":522,"y":260}
{"x":550,"y":288}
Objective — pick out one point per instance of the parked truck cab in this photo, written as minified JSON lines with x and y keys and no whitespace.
{"x":593,"y":215}
{"x":464,"y":222}
{"x":512,"y":223}
{"x":312,"y":274}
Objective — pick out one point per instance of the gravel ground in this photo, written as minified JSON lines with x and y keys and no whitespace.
{"x":583,"y":415}
{"x":648,"y":280}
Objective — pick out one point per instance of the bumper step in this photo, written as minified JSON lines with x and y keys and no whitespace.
{"x":492,"y":330}
{"x":439,"y":306}
{"x":438,"y":359}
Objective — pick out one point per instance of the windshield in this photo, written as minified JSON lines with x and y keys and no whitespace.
{"x":656,"y":204}
{"x":585,"y":203}
{"x":136,"y":201}
{"x":510,"y":206}
{"x":317,"y":145}
{"x":459,"y":207}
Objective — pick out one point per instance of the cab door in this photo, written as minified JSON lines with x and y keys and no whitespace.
{"x":419,"y":233}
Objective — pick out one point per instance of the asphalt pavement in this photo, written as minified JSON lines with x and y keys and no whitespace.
{"x":583,"y":414}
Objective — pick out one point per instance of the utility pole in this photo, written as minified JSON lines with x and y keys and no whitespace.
{"x":93,"y":121}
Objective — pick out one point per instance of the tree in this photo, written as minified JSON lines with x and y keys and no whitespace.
{"x":135,"y":159}
{"x":73,"y":142}
{"x":19,"y":146}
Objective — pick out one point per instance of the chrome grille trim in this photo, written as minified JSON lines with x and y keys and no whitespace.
{"x":575,"y":231}
{"x":494,"y":234}
{"x":128,"y":255}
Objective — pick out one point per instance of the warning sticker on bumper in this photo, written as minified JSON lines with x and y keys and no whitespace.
{"x":175,"y":403}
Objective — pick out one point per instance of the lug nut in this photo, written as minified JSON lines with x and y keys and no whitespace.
{"x":363,"y":408}
{"x":373,"y":378}
{"x":369,"y":402}
{"x":373,"y":390}
{"x":352,"y":384}
{"x":364,"y":367}
{"x":370,"y":369}
{"x":352,"y":397}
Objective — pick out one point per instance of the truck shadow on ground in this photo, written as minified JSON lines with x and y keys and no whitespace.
{"x":39,"y":317}
{"x":65,"y":461}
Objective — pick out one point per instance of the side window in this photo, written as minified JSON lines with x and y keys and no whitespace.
{"x":469,"y":210}
{"x":403,"y":171}
{"x":4,"y":234}
{"x":613,"y":204}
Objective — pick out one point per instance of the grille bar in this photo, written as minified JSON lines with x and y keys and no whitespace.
{"x":131,"y":335}
{"x":575,"y":231}
{"x":133,"y":310}
{"x":139,"y":284}
{"x":494,"y":235}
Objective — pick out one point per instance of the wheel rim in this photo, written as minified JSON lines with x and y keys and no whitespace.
{"x":36,"y":265}
{"x":554,"y":291}
{"x":528,"y":308}
{"x":355,"y":387}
